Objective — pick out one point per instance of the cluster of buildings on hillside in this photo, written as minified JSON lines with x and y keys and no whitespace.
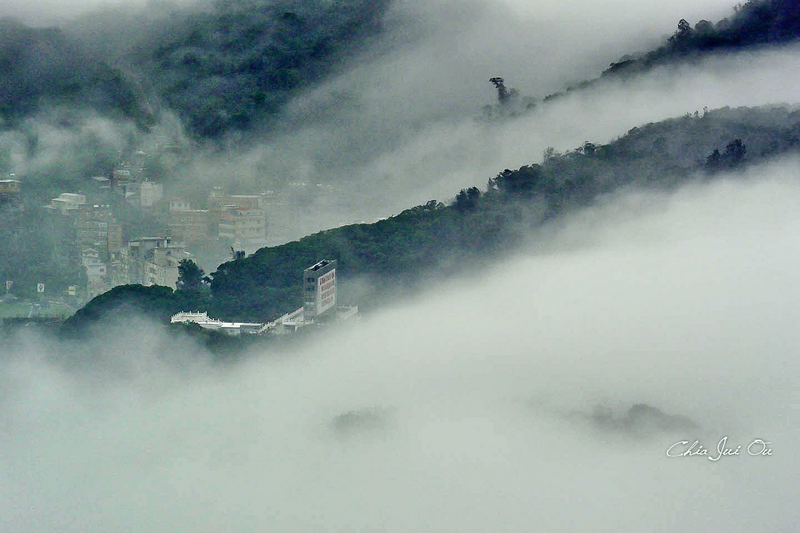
{"x":91,"y":230}
{"x":92,"y":234}
{"x":240,"y":218}
{"x":319,"y":307}
{"x":113,"y":254}
{"x":126,"y":228}
{"x":100,"y":229}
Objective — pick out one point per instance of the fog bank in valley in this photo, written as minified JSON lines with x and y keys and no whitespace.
{"x":470,"y":409}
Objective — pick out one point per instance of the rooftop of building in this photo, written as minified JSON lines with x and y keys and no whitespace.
{"x":71,"y":196}
{"x":321,"y":264}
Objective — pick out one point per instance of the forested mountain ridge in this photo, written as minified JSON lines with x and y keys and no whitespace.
{"x":756,"y":23}
{"x":44,"y":67}
{"x":480,"y":224}
{"x":484,"y":223}
{"x":236,"y":65}
{"x":221,"y":69}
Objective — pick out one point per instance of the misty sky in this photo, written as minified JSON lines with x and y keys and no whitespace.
{"x":475,"y":401}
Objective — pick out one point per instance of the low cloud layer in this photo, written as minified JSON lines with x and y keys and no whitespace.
{"x":470,"y":409}
{"x":444,"y":155}
{"x":386,"y":147}
{"x":397,"y":126}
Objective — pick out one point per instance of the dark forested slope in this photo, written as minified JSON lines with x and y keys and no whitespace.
{"x":756,"y":23}
{"x":41,"y":67}
{"x":236,"y":65}
{"x":221,"y":69}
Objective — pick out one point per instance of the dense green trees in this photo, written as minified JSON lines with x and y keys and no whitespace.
{"x":731,"y":158}
{"x":236,"y":64}
{"x":44,"y":66}
{"x":467,"y":199}
{"x":190,"y":276}
{"x":119,"y":303}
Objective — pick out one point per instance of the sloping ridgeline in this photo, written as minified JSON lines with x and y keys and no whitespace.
{"x":754,"y":23}
{"x":481,"y":225}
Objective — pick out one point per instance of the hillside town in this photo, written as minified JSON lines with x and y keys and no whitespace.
{"x":131,"y":227}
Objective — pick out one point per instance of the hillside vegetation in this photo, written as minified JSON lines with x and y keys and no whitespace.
{"x":238,"y":64}
{"x":222,"y":69}
{"x":42,"y":68}
{"x":756,"y":23}
{"x":479,"y":224}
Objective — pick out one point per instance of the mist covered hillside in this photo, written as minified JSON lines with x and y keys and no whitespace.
{"x":234,"y":64}
{"x":221,"y":67}
{"x":45,"y":68}
{"x":482,"y":223}
{"x":755,"y":24}
{"x":288,"y":266}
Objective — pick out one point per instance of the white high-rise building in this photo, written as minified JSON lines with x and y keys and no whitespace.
{"x":319,"y":288}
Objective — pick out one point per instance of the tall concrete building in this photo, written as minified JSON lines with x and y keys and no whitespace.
{"x":96,"y":227}
{"x":218,"y":200}
{"x":241,"y":217}
{"x":161,"y":268}
{"x":96,"y":272}
{"x":243,"y":225}
{"x":152,"y":261}
{"x":190,"y":225}
{"x":319,"y":289}
{"x":150,"y":193}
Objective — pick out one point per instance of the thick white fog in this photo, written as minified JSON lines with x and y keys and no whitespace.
{"x":437,"y":157}
{"x":402,"y":126}
{"x":467,"y":410}
{"x":497,"y":402}
{"x":396,"y":127}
